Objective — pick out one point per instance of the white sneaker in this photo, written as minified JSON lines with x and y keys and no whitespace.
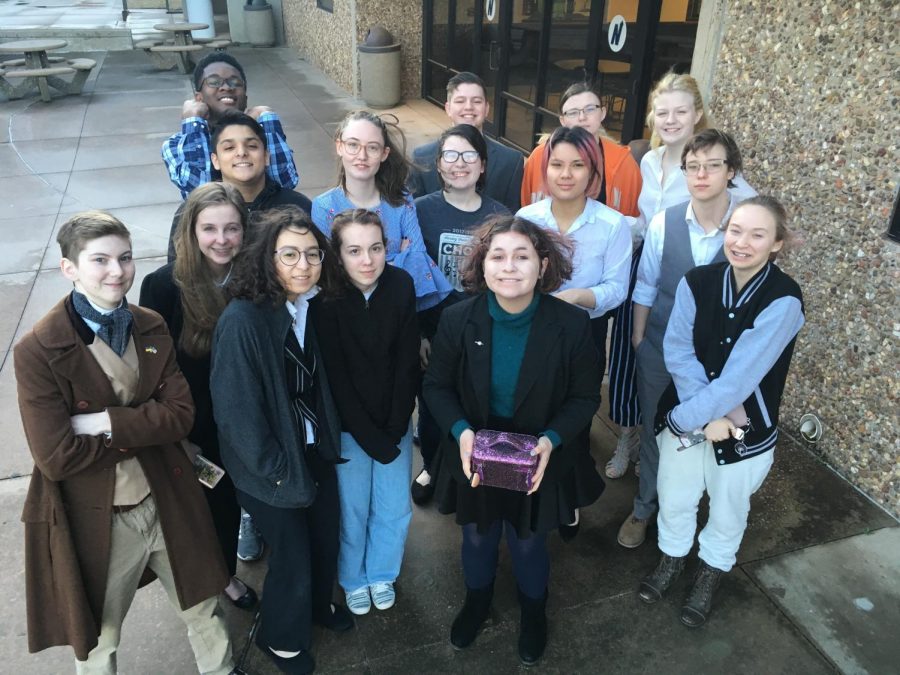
{"x":383,"y":595}
{"x":358,"y":601}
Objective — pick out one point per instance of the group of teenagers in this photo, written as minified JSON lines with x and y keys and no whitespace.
{"x":289,"y":342}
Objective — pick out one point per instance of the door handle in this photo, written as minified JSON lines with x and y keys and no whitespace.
{"x":494,"y":63}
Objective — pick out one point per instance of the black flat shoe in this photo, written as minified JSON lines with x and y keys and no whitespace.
{"x":302,"y":664}
{"x":421,"y":494}
{"x":568,"y":532}
{"x":248,"y":600}
{"x":339,"y":621}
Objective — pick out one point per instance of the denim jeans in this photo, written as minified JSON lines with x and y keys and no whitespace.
{"x":375,"y":514}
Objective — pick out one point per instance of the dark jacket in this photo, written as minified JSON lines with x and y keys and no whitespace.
{"x":371,"y":352}
{"x":722,"y":315}
{"x":160,"y":293}
{"x":272,"y":195}
{"x":68,"y":510}
{"x":558,"y":386}
{"x":259,"y":439}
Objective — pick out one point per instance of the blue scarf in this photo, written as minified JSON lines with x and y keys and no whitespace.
{"x":115,"y":327}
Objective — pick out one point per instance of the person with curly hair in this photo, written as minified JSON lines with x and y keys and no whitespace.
{"x":514,"y":358}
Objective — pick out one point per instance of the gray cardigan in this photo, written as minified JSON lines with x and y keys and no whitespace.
{"x":259,"y":440}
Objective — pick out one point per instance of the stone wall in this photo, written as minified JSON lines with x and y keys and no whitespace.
{"x":323,"y":38}
{"x":330,"y":40}
{"x":403,"y":18}
{"x":810,"y":90}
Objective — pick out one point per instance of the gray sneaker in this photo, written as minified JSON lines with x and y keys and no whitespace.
{"x":250,"y":542}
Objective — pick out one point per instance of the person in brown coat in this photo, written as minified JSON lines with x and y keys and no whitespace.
{"x":113,"y":499}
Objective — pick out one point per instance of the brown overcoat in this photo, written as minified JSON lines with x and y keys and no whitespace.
{"x":68,"y":510}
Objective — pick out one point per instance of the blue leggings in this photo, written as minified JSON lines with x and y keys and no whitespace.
{"x":530,"y":558}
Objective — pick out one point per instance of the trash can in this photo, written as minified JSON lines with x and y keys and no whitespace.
{"x":379,"y":68}
{"x":259,"y":23}
{"x":200,"y":11}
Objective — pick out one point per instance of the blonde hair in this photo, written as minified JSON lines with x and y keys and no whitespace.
{"x":672,"y":82}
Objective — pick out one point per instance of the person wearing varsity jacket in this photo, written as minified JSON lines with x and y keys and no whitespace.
{"x":728,"y":347}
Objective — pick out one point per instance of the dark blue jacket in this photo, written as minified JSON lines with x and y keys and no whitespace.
{"x":259,"y":440}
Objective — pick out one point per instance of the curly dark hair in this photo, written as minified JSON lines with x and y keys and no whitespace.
{"x":255,"y":277}
{"x":551,"y":246}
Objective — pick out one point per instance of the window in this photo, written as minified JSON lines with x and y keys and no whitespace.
{"x":327,"y":5}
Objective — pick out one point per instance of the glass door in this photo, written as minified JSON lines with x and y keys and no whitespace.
{"x":529,"y":51}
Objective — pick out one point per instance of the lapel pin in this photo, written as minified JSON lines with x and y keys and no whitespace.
{"x":150,"y":350}
{"x":479,"y":343}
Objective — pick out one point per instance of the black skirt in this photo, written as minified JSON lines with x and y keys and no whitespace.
{"x":552,"y":505}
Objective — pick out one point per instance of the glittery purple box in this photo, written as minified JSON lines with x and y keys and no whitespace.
{"x":504,"y":459}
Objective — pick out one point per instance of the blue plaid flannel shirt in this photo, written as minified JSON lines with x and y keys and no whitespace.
{"x":186,"y":154}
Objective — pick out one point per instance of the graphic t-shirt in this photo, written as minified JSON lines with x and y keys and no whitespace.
{"x":447,"y":231}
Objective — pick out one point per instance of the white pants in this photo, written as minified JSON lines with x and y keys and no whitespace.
{"x":137,"y":542}
{"x":682,"y":478}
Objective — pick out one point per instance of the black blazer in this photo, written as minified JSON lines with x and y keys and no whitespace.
{"x":558,"y":386}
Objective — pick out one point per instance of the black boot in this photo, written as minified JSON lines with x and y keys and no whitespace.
{"x":532,"y":628}
{"x":474,"y":613}
{"x":654,"y":585}
{"x":699,"y":600}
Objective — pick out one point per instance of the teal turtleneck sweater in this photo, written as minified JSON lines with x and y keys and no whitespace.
{"x":509,"y":336}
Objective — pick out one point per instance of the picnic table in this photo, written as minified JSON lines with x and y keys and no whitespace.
{"x":183,"y":42}
{"x":40,"y":70}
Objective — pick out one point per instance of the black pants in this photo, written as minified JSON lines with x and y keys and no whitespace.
{"x":429,"y":434}
{"x":303,"y":550}
{"x":226,"y":515}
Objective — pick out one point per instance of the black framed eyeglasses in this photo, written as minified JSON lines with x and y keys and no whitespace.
{"x":468,"y":156}
{"x":575,"y":113}
{"x":214,"y":82}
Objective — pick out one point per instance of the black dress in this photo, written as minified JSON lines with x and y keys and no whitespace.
{"x":159,"y":293}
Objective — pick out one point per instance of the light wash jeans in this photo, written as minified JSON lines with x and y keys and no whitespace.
{"x":375,"y":514}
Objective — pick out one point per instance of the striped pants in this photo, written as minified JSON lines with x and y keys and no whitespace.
{"x":623,"y":401}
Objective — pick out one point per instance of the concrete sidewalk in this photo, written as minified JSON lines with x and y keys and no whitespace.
{"x":816,"y":588}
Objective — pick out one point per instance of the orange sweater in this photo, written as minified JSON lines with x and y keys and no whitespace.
{"x":623,"y":177}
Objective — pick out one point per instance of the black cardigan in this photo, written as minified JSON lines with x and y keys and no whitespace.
{"x":371,"y":354}
{"x":160,"y":293}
